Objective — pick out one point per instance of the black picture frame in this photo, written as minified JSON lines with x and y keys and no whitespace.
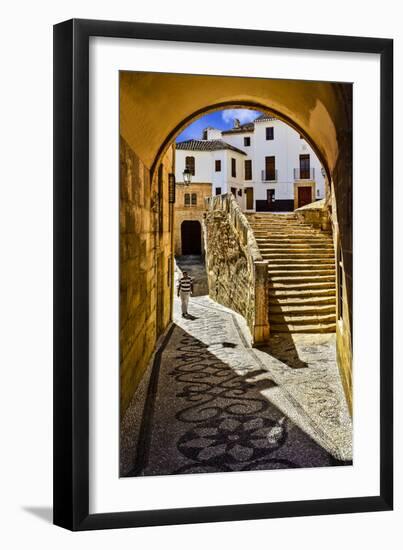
{"x":71,"y":274}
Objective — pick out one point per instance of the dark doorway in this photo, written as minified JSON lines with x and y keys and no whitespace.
{"x":191,"y":238}
{"x":270,"y":193}
{"x":304,"y":196}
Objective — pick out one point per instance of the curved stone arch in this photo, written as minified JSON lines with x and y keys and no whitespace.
{"x":155,"y":107}
{"x":170,"y":139}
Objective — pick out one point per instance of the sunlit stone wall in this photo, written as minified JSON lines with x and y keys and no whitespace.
{"x":237,"y":275}
{"x":145,"y":265}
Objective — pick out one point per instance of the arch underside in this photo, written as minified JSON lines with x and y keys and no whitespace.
{"x":156,"y":107}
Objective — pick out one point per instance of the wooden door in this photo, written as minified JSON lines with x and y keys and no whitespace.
{"x":304,"y":196}
{"x":249,"y":198}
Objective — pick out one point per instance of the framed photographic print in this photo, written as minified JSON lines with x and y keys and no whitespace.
{"x":223,"y":312}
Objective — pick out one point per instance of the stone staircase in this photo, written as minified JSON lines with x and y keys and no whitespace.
{"x":301,"y":273}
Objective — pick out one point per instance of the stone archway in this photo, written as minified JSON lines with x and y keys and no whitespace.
{"x":155,"y":107}
{"x":315,"y":109}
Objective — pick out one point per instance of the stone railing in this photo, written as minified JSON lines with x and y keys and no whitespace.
{"x":236,"y":271}
{"x":316,"y":214}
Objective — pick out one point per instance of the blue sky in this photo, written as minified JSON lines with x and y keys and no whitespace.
{"x":223,"y":120}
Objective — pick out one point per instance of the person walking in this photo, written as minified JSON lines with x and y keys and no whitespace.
{"x":185,"y":289}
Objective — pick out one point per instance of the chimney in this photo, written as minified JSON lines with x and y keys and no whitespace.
{"x":237,"y":124}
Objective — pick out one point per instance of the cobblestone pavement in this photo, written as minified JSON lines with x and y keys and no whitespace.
{"x":212,"y":403}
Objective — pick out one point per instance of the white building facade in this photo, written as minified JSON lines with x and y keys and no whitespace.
{"x":266,"y":164}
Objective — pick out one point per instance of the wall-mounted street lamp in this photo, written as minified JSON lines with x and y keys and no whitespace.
{"x":187,"y":176}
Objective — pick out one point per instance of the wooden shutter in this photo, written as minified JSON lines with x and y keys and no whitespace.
{"x":248,"y":169}
{"x":270,"y":168}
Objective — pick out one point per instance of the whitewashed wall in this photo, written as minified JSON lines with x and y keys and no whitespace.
{"x":203,"y":165}
{"x":285,"y":147}
{"x":205,"y":169}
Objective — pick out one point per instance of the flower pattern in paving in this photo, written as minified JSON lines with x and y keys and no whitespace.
{"x":213,"y":405}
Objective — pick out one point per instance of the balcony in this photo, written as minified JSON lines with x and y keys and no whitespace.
{"x":269,"y":176}
{"x":305,"y":174}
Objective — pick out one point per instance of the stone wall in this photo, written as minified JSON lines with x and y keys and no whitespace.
{"x":342,"y":235}
{"x":316,"y":214}
{"x":145,"y":265}
{"x":237,"y":275}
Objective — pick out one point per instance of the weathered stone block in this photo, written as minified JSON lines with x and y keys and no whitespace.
{"x":231,"y":252}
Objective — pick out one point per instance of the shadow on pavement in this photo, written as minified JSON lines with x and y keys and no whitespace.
{"x":282,"y":347}
{"x":209,"y":418}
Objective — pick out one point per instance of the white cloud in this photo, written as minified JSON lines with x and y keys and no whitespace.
{"x":243,"y":115}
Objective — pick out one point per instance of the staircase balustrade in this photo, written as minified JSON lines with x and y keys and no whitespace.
{"x":237,"y":272}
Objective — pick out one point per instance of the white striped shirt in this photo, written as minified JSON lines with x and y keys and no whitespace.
{"x":185,"y":284}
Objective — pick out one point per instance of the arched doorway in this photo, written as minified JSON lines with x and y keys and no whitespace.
{"x":191,"y":238}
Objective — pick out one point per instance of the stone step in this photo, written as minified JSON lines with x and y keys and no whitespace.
{"x":304,"y":329}
{"x":287,"y":239}
{"x":268,"y":235}
{"x":302,"y":285}
{"x":302,"y":309}
{"x":317,"y":246}
{"x":298,"y":320}
{"x":286,"y":226}
{"x":297,"y":255}
{"x":296,"y":240}
{"x":285,"y":235}
{"x":284,"y":251}
{"x":297,"y":243}
{"x":283,"y":221}
{"x":318,"y":298}
{"x":297,"y":247}
{"x":296,"y":262}
{"x":283,"y":227}
{"x":305,"y":304}
{"x":271,"y":214}
{"x":301,"y":273}
{"x":298,"y":279}
{"x":280,"y":295}
{"x":292,"y":256}
{"x":309,"y":271}
{"x":277,"y":218}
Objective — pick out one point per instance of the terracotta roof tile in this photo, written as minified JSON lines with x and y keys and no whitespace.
{"x":207,"y":145}
{"x":242,"y":128}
